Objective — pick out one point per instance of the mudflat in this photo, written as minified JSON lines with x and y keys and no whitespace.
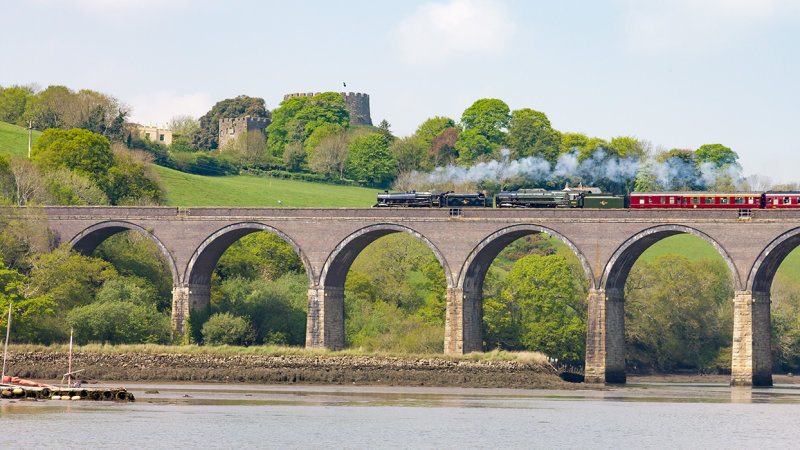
{"x":288,"y":369}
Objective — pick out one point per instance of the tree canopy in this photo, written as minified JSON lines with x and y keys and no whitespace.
{"x":206,"y":136}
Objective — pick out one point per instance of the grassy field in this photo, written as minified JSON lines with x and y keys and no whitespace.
{"x":185,"y":189}
{"x":14,"y":139}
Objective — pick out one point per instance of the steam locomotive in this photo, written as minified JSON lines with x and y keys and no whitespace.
{"x":592,"y":198}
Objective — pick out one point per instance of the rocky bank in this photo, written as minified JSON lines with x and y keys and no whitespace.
{"x":286,"y":369}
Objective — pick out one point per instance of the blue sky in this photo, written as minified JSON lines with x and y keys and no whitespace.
{"x":677,"y":73}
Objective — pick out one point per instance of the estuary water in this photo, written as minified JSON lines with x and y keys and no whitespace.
{"x":257,"y":416}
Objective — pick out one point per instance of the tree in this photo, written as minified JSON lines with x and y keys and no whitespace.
{"x":127,"y":183}
{"x":629,"y":147}
{"x":29,"y":185}
{"x":330,"y":156}
{"x":297,"y":118}
{"x":13,"y":101}
{"x":82,"y":151}
{"x":370,"y":159}
{"x":71,"y":279}
{"x":227,"y":329}
{"x":410,"y":153}
{"x":537,"y":310}
{"x":530,"y":134}
{"x":717,"y":154}
{"x":206,"y":137}
{"x":7,"y":185}
{"x":319,"y":134}
{"x":66,"y":187}
{"x":484,"y":129}
{"x":433,"y":127}
{"x":294,"y":156}
{"x":27,"y":307}
{"x":249,"y":148}
{"x":259,"y":256}
{"x":443,"y":147}
{"x":51,"y":108}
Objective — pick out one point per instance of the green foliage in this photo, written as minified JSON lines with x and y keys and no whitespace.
{"x":127,"y":183}
{"x":539,"y":309}
{"x":320,"y":133}
{"x":206,"y":137}
{"x":530,"y":134}
{"x":210,"y":164}
{"x":227,"y":329}
{"x":411,"y":153}
{"x":297,"y":118}
{"x":82,"y":151}
{"x":259,"y":255}
{"x":629,"y":147}
{"x":717,"y":154}
{"x":433,"y":127}
{"x":123,"y":311}
{"x":12,"y":104}
{"x":70,"y":278}
{"x":678,"y":313}
{"x":27,"y":308}
{"x":484,"y":129}
{"x":70,"y":188}
{"x":139,"y":260}
{"x":370,"y":160}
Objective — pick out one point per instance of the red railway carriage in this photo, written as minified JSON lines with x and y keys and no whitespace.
{"x":782,"y":199}
{"x":696,"y":200}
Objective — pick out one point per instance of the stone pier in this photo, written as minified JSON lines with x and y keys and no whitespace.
{"x":463,"y":329}
{"x":325,"y":322}
{"x":751,"y":363}
{"x":605,"y":337}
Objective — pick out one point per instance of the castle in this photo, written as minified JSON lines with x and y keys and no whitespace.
{"x":356,"y":103}
{"x":230,"y":129}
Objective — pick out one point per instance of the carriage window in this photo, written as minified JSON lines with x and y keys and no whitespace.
{"x":696,"y":200}
{"x":672,"y":200}
{"x":787,"y":200}
{"x":750,"y":200}
{"x":641,"y":200}
{"x":723,"y":201}
{"x":775,"y":200}
{"x":709,"y":200}
{"x":738,"y":200}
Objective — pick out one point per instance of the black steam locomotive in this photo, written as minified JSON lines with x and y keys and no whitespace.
{"x":522,"y":198}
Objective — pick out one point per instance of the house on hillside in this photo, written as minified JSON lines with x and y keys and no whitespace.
{"x":162,"y":135}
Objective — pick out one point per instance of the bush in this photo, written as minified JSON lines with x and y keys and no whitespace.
{"x":227,"y":329}
{"x":119,"y":322}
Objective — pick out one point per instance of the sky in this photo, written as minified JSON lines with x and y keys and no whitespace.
{"x":677,"y":73}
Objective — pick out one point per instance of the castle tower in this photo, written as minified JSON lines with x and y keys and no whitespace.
{"x":230,"y":129}
{"x":356,"y":103}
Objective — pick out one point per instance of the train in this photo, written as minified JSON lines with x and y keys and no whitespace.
{"x":592,"y":198}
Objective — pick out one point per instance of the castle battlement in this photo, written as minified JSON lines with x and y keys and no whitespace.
{"x":233,"y":120}
{"x":356,"y":103}
{"x":232,"y":127}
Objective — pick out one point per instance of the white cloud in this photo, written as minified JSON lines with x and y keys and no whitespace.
{"x":698,"y":24}
{"x":437,"y":32}
{"x":161,"y":106}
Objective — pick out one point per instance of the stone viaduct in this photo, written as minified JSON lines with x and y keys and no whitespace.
{"x":607,"y":243}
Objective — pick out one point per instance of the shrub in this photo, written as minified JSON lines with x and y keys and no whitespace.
{"x":227,"y":329}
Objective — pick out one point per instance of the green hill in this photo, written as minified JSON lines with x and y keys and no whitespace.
{"x":14,"y":139}
{"x":185,"y":189}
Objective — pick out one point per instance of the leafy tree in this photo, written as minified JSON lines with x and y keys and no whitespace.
{"x":50,"y":108}
{"x":646,"y":180}
{"x":82,"y":151}
{"x":206,"y":137}
{"x":330,"y":156}
{"x":433,"y":127}
{"x":28,"y":307}
{"x":123,"y":312}
{"x":370,"y":159}
{"x":319,"y":134}
{"x":629,"y":147}
{"x":443,"y":147}
{"x":249,"y":149}
{"x":294,"y":156}
{"x":530,"y":134}
{"x":410,"y":153}
{"x":128,"y":183}
{"x":572,"y":141}
{"x":69,"y":278}
{"x":484,"y":125}
{"x":12,"y":104}
{"x":227,"y":329}
{"x":297,"y":118}
{"x":717,"y":154}
{"x":678,"y":313}
{"x":69,"y":188}
{"x":536,"y":310}
{"x":7,"y":185}
{"x":260,"y":255}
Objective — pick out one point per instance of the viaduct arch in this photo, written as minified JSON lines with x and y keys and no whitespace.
{"x":607,"y":242}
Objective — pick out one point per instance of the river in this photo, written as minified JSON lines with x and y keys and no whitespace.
{"x":248,"y":416}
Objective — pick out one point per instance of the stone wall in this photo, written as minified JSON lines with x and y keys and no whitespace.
{"x":230,"y":129}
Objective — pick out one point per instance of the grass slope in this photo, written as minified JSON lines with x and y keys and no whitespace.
{"x":185,"y":189}
{"x":14,"y":139}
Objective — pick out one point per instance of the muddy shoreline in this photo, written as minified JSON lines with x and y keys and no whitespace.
{"x":287,"y":369}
